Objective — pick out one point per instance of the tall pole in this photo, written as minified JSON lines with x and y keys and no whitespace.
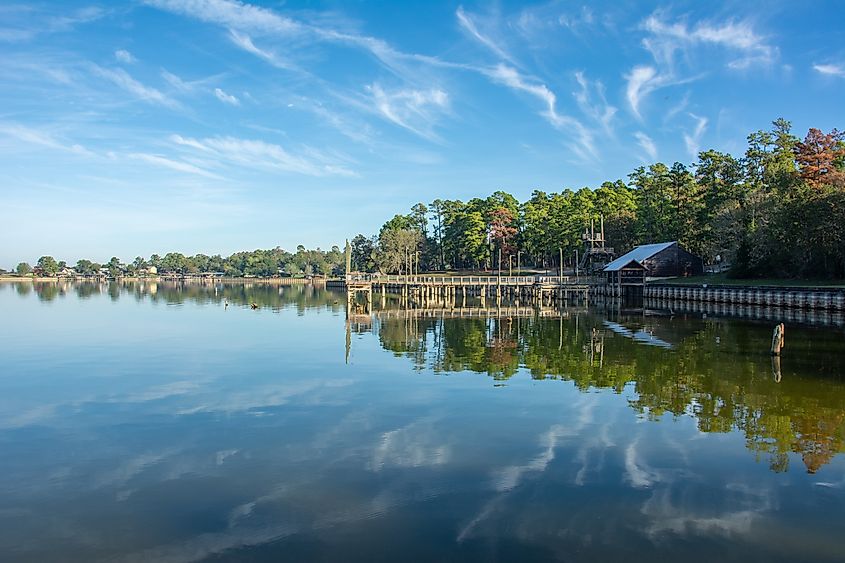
{"x":348,"y":258}
{"x":560,"y":248}
{"x":510,"y":264}
{"x":576,"y":265}
{"x":500,"y":263}
{"x":518,"y":269}
{"x":602,"y":230}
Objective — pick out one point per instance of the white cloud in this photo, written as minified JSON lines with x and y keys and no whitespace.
{"x":179,"y":166}
{"x":40,"y":138}
{"x":26,"y":23}
{"x":642,"y":80}
{"x":245,"y":18}
{"x":511,"y":78}
{"x":226,"y":98}
{"x":600,"y":111}
{"x":469,"y":25}
{"x":584,"y":146}
{"x":830,"y":69}
{"x":232,"y":14}
{"x":176,"y":82}
{"x":737,"y":36}
{"x":677,"y":108}
{"x":124,"y":56}
{"x":692,"y":140}
{"x":122,"y":79}
{"x":573,"y":22}
{"x":245,"y":42}
{"x":647,"y":145}
{"x":415,"y":110}
{"x":258,"y":154}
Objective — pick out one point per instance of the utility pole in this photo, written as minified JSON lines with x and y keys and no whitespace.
{"x":576,"y":265}
{"x":348,"y":258}
{"x":510,"y":264}
{"x":560,"y":248}
{"x":500,"y":265}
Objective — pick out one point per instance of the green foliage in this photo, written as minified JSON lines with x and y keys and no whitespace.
{"x":47,"y":266}
{"x":23,"y":269}
{"x":776,"y":211}
{"x":258,"y":263}
{"x":363,"y":254}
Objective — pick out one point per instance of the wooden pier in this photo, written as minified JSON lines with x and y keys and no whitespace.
{"x":453,"y":290}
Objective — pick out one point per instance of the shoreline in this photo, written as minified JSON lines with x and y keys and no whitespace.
{"x":159,"y":279}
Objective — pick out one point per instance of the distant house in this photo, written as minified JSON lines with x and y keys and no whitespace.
{"x":662,"y":260}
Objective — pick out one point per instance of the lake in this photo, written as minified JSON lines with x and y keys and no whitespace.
{"x":167,"y":422}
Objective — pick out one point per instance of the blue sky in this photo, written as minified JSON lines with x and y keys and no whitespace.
{"x":216,"y":125}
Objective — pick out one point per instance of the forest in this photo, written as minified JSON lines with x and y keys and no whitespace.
{"x":778,"y":210}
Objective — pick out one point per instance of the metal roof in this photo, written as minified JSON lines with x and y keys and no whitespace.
{"x":642,"y":252}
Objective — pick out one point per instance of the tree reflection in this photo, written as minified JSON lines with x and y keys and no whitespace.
{"x":270,"y":296}
{"x":716,"y":371}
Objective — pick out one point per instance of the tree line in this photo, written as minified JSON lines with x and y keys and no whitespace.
{"x":258,"y":263}
{"x":778,"y":210}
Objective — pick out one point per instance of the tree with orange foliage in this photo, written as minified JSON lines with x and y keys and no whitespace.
{"x":503,"y":230}
{"x":821,"y":157}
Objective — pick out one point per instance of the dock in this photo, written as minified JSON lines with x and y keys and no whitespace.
{"x":426,"y":290}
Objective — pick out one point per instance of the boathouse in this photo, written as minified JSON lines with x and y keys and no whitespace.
{"x":662,"y":260}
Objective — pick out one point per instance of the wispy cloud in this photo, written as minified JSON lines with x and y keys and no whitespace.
{"x":677,"y":108}
{"x":598,"y":110}
{"x":415,"y":110}
{"x":830,"y":69}
{"x":124,"y":56}
{"x":246,"y":19}
{"x":27,"y":22}
{"x":245,"y":42}
{"x":692,"y":140}
{"x":647,"y":145}
{"x":179,"y":166}
{"x":511,"y":78}
{"x":544,"y":19}
{"x":41,"y":138}
{"x":176,"y":82}
{"x":232,"y":14}
{"x":641,"y":81}
{"x":584,"y":146}
{"x":122,"y":79}
{"x":575,"y":21}
{"x":226,"y":98}
{"x":737,"y":36}
{"x":468,"y":24}
{"x":256,"y":153}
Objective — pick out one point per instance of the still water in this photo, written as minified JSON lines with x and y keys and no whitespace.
{"x":154,"y":422}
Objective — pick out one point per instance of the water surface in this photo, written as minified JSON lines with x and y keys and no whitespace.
{"x":156,"y":422}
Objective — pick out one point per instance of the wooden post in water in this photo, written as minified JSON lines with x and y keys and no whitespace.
{"x":777,"y":339}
